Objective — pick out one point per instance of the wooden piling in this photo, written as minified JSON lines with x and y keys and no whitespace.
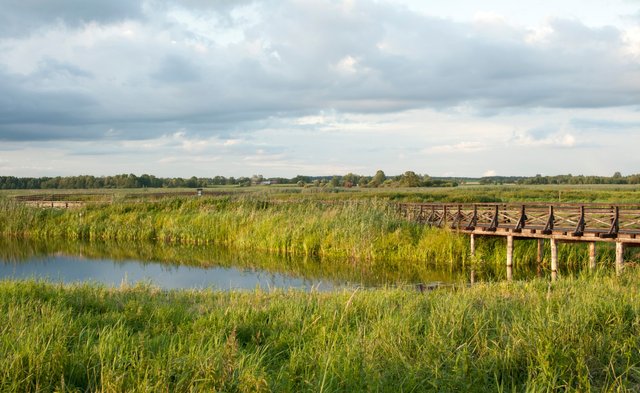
{"x":554,"y":259}
{"x":509,"y":258}
{"x":619,"y":257}
{"x":539,"y":256}
{"x":472,"y":245}
{"x":592,"y":255}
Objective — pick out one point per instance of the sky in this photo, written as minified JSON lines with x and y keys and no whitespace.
{"x":287,"y":87}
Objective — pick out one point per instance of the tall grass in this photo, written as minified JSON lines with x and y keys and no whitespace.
{"x":16,"y":251}
{"x":579,"y":334}
{"x":368,"y":232}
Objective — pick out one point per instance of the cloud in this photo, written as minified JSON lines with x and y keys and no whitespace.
{"x":28,"y":16}
{"x":605,"y":125}
{"x":544,"y":136}
{"x":462,"y":147}
{"x":130,"y":75}
{"x":144,"y":68}
{"x":175,"y":69}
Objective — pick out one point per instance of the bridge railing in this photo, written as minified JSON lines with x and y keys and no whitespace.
{"x":603,"y":220}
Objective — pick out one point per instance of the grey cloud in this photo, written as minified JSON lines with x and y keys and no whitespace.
{"x":21,"y":103}
{"x":540,"y":133}
{"x":51,"y":68}
{"x":605,"y":125}
{"x":25,"y":16}
{"x":174,"y":69}
{"x":300,"y":58}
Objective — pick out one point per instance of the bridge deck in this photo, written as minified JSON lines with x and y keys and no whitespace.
{"x":563,"y":221}
{"x":558,"y":222}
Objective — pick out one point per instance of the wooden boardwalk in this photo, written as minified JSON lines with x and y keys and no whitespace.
{"x":557,"y":222}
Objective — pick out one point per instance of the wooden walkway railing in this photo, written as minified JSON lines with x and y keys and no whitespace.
{"x":602,"y":221}
{"x":558,"y":222}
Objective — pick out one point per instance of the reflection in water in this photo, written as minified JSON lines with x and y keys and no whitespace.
{"x":170,"y":266}
{"x":69,"y":269}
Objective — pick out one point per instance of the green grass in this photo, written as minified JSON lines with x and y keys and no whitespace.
{"x":580,"y":334}
{"x":368,"y":233}
{"x":466,"y":193}
{"x":370,"y":274}
{"x":365,"y":231}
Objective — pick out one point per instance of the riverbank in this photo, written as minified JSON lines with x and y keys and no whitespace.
{"x":576,"y":335}
{"x":365,"y":231}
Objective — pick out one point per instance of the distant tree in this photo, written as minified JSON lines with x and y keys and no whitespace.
{"x":257,"y":179}
{"x":378,"y":179}
{"x":410,"y":179}
{"x":244,"y":181}
{"x":349,"y":180}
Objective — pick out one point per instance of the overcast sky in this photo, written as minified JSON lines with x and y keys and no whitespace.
{"x":287,"y":87}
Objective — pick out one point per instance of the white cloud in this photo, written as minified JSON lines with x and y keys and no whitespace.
{"x":631,"y":39}
{"x":556,"y":139}
{"x":346,"y":65}
{"x":462,"y":147}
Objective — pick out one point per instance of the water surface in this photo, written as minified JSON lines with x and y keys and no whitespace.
{"x":186,"y":267}
{"x":110,"y":272}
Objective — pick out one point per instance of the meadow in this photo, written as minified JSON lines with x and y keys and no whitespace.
{"x":578,"y":334}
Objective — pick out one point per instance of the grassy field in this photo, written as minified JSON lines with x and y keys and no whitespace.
{"x":578,"y":335}
{"x":464,"y":193}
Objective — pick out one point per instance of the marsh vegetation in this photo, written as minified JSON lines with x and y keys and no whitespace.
{"x":577,"y":334}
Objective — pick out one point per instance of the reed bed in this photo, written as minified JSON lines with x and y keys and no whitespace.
{"x":368,"y":232}
{"x":579,"y":334}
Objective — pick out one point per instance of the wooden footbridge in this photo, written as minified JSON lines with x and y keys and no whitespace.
{"x":558,"y":222}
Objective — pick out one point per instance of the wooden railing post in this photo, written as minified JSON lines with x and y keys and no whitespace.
{"x":548,"y":228}
{"x":494,"y":221}
{"x":581,"y":224}
{"x":521,"y":221}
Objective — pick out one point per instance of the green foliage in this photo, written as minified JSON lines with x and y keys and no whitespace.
{"x":576,"y":335}
{"x":360,"y":230}
{"x":367,"y":231}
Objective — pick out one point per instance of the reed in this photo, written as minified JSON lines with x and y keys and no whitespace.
{"x":368,"y":232}
{"x":579,"y":334}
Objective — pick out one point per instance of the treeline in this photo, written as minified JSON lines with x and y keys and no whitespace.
{"x":617,"y":178}
{"x":407,"y":179}
{"x":117,"y":181}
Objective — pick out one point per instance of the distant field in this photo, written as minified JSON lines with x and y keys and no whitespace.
{"x":464,"y":193}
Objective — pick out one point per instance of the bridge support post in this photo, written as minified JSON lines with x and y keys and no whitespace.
{"x":509,"y":258}
{"x":540,"y":254}
{"x":472,"y":252}
{"x":619,"y":257}
{"x":554,"y":259}
{"x":592,"y":255}
{"x":472,"y":245}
